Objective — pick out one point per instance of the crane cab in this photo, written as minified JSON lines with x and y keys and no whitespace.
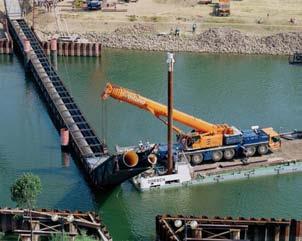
{"x":274,"y":138}
{"x":207,"y":141}
{"x":196,"y":140}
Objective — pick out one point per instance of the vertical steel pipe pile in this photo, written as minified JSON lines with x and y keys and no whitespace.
{"x":170,"y":61}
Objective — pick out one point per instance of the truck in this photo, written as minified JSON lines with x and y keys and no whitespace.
{"x":222,"y":8}
{"x":206,"y":141}
{"x":94,"y":4}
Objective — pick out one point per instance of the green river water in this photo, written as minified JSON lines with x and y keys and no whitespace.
{"x":239,"y":90}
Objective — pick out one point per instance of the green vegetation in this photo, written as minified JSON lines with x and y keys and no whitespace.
{"x":155,"y":19}
{"x":78,"y":3}
{"x":132,"y":18}
{"x":25,"y":190}
{"x":84,"y":238}
{"x":60,"y":237}
{"x":152,"y":18}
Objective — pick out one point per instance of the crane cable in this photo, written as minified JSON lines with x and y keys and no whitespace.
{"x":104,"y":121}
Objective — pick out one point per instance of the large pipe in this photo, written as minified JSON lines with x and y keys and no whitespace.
{"x":130,"y":159}
{"x":170,"y":61}
{"x":64,"y":134}
{"x":152,"y":159}
{"x":27,"y":49}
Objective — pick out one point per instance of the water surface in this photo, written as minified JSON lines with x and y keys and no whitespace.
{"x":238,"y":90}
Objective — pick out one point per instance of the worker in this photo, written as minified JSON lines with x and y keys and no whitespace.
{"x":292,"y":20}
{"x":141,"y":145}
{"x":177,"y":31}
{"x":194,"y":27}
{"x":171,"y":31}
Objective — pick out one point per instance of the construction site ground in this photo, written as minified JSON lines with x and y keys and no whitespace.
{"x":273,"y":15}
{"x":290,"y":151}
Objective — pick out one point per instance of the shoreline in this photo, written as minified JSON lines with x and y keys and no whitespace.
{"x":254,"y":27}
{"x":222,"y":40}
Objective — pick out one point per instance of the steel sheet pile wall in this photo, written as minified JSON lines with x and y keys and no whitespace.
{"x":74,"y":48}
{"x":103,"y":171}
{"x":6,"y":46}
{"x":181,"y":228}
{"x":6,"y":42}
{"x":63,"y":109}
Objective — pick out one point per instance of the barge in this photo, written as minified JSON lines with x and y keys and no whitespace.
{"x":287,"y":160}
{"x":209,"y":153}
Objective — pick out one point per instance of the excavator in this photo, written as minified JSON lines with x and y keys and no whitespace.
{"x":206,"y":141}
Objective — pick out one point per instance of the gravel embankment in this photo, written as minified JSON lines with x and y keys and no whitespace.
{"x":213,"y":40}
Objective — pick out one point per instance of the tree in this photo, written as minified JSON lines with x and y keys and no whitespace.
{"x":26,"y":190}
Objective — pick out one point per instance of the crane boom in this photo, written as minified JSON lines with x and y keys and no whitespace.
{"x":160,"y":110}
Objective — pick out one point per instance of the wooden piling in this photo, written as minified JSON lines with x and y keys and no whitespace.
{"x":287,"y":233}
{"x":277,"y":233}
{"x":73,"y":48}
{"x":227,"y":229}
{"x":60,"y":48}
{"x":25,"y":237}
{"x":54,"y":53}
{"x":35,"y":226}
{"x":30,"y":225}
{"x":298,"y":231}
{"x":66,"y":48}
{"x":1,"y":46}
{"x":78,"y":49}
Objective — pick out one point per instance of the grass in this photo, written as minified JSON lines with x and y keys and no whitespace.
{"x":224,"y":20}
{"x":78,"y":3}
{"x":4,"y":237}
{"x":132,"y":18}
{"x":59,"y":237}
{"x":154,"y":19}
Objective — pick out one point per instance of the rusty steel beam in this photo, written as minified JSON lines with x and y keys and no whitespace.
{"x":227,"y":220}
{"x":227,"y":229}
{"x":42,"y":233}
{"x":47,"y":225}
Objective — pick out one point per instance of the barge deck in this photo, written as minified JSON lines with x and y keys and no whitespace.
{"x":287,"y":160}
